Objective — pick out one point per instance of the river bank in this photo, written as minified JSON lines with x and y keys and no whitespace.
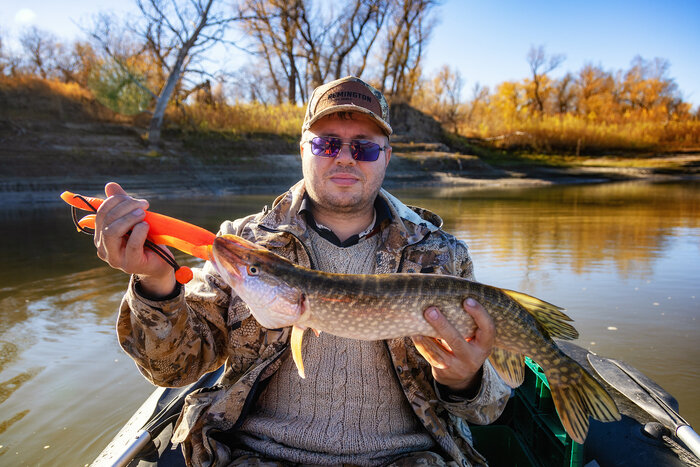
{"x":39,"y":160}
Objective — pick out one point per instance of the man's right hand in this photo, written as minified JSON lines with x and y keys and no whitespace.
{"x":119,"y":214}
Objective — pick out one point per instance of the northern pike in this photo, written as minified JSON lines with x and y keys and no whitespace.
{"x":280,"y":293}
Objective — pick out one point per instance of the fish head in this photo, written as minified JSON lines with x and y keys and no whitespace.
{"x":262,"y":279}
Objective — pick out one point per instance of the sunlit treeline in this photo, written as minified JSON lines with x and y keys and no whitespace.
{"x":588,"y":111}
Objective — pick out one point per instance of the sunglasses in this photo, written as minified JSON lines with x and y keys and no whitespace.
{"x":361,"y":150}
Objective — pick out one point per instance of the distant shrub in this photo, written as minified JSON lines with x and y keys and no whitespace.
{"x":116,"y":89}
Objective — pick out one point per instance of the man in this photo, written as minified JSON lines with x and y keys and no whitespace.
{"x":399,"y":402}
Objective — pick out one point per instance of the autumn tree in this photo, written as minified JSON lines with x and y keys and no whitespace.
{"x":564,"y":94}
{"x":540,"y":65}
{"x":646,"y":87}
{"x":476,"y":105}
{"x":596,"y":91}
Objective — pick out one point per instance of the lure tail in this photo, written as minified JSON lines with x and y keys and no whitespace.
{"x":164,"y":230}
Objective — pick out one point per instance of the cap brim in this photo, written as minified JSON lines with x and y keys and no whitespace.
{"x":349,"y":108}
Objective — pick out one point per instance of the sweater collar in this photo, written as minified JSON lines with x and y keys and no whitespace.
{"x":407,"y":225}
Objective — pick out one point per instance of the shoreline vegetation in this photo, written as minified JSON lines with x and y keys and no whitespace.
{"x":138,"y":98}
{"x":56,"y":136}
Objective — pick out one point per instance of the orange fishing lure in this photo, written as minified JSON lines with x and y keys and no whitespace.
{"x":164,"y":230}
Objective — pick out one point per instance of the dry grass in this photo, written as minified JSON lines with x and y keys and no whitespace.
{"x":572,"y":134}
{"x":33,"y":97}
{"x":242,"y":119}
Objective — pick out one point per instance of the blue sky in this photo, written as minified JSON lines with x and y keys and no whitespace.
{"x":488,"y":40}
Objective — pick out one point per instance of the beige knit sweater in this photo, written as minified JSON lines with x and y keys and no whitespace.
{"x":350,"y":408}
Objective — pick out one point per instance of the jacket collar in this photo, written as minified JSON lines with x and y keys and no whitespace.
{"x":409,"y":225}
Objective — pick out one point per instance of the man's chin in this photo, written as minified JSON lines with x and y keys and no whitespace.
{"x":344,"y":201}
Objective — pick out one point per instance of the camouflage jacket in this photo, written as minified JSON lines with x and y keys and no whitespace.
{"x":175,"y":341}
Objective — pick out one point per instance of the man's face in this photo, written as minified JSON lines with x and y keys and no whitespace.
{"x":341,"y":183}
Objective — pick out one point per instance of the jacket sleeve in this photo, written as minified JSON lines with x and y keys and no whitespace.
{"x":486,"y":406}
{"x":493,"y":394}
{"x":176,"y":340}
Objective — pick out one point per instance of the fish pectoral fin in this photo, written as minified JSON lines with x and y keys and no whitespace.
{"x":296,"y":341}
{"x":510,"y":366}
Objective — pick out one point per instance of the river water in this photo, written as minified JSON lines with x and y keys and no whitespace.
{"x":623,"y":259}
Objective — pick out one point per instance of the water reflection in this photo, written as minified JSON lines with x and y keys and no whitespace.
{"x":624,"y":259}
{"x":625,"y":227}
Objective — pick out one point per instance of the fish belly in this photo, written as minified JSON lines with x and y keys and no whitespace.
{"x":375,"y":319}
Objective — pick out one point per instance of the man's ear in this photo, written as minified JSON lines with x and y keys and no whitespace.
{"x":387,"y":153}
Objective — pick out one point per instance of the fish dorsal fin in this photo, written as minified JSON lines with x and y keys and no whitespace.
{"x":510,"y":366}
{"x":549,"y":316}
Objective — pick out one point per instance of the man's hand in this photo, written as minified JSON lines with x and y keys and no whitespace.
{"x":456,"y":362}
{"x":119,"y":214}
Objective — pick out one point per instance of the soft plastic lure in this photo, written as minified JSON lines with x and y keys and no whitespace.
{"x":163,"y":230}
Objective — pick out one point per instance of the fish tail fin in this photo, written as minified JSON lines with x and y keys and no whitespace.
{"x":550,"y":317}
{"x":577,"y":395}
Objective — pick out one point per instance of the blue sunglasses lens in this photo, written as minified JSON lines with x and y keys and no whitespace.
{"x":364,"y":151}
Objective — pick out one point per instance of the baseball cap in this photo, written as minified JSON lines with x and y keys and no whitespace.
{"x":349,"y":94}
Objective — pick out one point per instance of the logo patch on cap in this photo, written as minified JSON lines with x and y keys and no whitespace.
{"x":349,"y":93}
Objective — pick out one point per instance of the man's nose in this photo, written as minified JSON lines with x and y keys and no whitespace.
{"x":344,"y":156}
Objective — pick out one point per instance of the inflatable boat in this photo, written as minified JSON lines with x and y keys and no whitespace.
{"x":528,"y":433}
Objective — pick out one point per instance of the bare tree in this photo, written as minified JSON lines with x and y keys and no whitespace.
{"x":540,"y":65}
{"x":410,"y":27}
{"x":441,"y":97}
{"x":41,"y":49}
{"x":480,"y":95}
{"x":173,"y":33}
{"x":273,"y":27}
{"x":300,"y":47}
{"x":360,"y":25}
{"x":3,"y":56}
{"x":10,"y":62}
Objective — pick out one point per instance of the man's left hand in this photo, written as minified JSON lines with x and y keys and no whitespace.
{"x":456,"y":362}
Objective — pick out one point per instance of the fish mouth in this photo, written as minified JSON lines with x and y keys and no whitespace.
{"x":231,"y":252}
{"x":228,"y":256}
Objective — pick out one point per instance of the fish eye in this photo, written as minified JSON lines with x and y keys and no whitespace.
{"x":253,"y":270}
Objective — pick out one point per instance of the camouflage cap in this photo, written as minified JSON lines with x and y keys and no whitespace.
{"x":349,"y":94}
